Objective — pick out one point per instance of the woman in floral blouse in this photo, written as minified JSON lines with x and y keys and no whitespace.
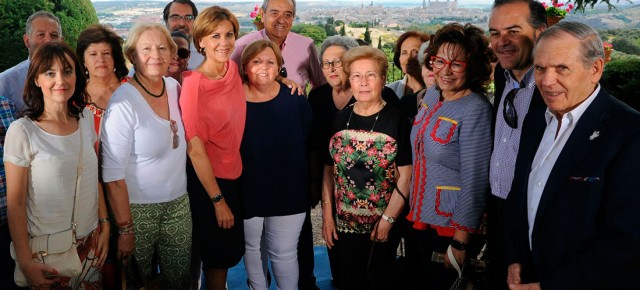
{"x":367,"y":171}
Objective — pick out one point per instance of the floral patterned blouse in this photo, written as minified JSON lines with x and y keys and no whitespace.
{"x":365,"y":155}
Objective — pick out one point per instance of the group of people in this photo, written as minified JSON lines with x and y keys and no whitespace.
{"x":208,"y":151}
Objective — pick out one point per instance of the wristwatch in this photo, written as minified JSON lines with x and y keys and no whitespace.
{"x":216,"y":198}
{"x":458,"y":245}
{"x":388,"y":219}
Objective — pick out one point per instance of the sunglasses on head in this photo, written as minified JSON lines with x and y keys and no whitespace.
{"x":184,"y":53}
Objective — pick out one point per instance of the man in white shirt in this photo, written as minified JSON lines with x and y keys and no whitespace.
{"x":573,"y":210}
{"x":179,"y":15}
{"x":42,"y":27}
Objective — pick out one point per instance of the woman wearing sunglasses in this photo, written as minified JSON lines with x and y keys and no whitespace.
{"x":179,"y":61}
{"x":451,"y":142}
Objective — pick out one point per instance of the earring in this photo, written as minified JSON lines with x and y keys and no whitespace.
{"x":86,"y":72}
{"x":114,"y":69}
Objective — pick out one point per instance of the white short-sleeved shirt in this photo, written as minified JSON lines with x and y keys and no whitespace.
{"x":137,"y":146}
{"x":52,"y":161}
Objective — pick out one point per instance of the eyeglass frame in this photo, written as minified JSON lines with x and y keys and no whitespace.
{"x":508,"y":106}
{"x":183,"y":51}
{"x":186,"y":18}
{"x":336,"y":63}
{"x":369,"y":76}
{"x":448,"y":63}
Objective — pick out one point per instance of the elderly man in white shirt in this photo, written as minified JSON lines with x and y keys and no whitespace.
{"x":42,"y":27}
{"x":573,"y":218}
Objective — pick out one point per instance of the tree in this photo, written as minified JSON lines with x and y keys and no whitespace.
{"x":312,"y":31}
{"x":624,"y":45}
{"x":367,"y":34}
{"x":380,"y":42}
{"x":74,"y":16}
{"x":329,"y":29}
{"x":343,"y":31}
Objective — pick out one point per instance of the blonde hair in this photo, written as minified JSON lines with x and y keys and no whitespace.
{"x":134,"y":35}
{"x":208,"y":21}
{"x":365,"y":52}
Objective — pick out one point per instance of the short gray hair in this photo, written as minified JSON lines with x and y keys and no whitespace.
{"x":338,"y":40}
{"x":41,"y":14}
{"x":422,"y":51}
{"x":265,"y":3}
{"x":591,"y":47}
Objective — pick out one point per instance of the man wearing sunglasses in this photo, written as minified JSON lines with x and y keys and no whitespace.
{"x":179,"y":15}
{"x":514,"y":26}
{"x":299,"y":53}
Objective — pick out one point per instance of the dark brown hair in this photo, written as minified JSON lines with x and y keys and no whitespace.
{"x":473,"y":45}
{"x":45,"y":56}
{"x":396,"y":50}
{"x":97,"y":33}
{"x":252,"y":50}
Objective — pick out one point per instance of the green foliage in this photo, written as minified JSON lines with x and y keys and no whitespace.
{"x":367,"y":35}
{"x":626,"y":46}
{"x":315,"y":32}
{"x":582,"y":4}
{"x":621,"y":78}
{"x":343,"y":30}
{"x":338,"y":23}
{"x":74,"y":16}
{"x":358,"y":24}
{"x":329,"y":29}
{"x":380,"y":42}
{"x":393,"y":73}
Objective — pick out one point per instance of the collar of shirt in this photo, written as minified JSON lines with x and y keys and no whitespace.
{"x":263,"y":32}
{"x":576,"y":113}
{"x":527,"y":80}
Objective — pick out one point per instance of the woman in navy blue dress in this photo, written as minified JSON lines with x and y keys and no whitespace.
{"x":274,"y":177}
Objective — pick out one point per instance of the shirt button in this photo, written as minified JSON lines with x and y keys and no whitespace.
{"x":539,"y":183}
{"x":497,"y":163}
{"x":504,"y":140}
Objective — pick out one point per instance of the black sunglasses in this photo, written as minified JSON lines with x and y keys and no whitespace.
{"x":283,"y":72}
{"x":184,"y":53}
{"x":509,"y":111}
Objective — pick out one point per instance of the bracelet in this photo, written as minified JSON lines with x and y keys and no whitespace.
{"x":126,"y":233}
{"x":25,"y":265}
{"x":129,"y":222}
{"x":326,"y":202}
{"x":104,"y":220}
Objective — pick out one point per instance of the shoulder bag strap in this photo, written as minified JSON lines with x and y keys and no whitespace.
{"x":78,"y":175}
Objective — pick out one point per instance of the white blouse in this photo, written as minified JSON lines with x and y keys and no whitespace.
{"x":52,"y":161}
{"x":137,"y":146}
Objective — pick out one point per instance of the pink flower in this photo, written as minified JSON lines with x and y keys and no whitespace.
{"x":256,"y":8}
{"x":253,"y":14}
{"x":559,"y":4}
{"x":544,"y":4}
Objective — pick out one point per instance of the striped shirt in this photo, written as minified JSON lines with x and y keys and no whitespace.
{"x":507,"y":140}
{"x":451,"y":143}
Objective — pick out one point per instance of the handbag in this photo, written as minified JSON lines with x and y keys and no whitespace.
{"x":473,"y":274}
{"x":58,"y":250}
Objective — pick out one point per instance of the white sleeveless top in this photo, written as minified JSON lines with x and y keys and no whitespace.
{"x":52,"y":161}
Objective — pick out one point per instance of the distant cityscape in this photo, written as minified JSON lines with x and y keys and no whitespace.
{"x":122,"y":15}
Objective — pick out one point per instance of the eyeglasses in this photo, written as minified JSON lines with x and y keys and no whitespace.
{"x":509,"y":111}
{"x":357,"y":78}
{"x":283,"y":72}
{"x":184,"y":53}
{"x":335,"y":64}
{"x":186,"y":18}
{"x":174,"y":129}
{"x":455,"y":66}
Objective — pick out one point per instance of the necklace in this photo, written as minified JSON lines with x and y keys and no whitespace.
{"x":374,"y":122}
{"x":135,"y":77}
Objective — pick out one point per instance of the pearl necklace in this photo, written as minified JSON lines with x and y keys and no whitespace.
{"x":374,"y":122}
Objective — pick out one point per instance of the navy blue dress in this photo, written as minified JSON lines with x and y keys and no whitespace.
{"x":274,"y":176}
